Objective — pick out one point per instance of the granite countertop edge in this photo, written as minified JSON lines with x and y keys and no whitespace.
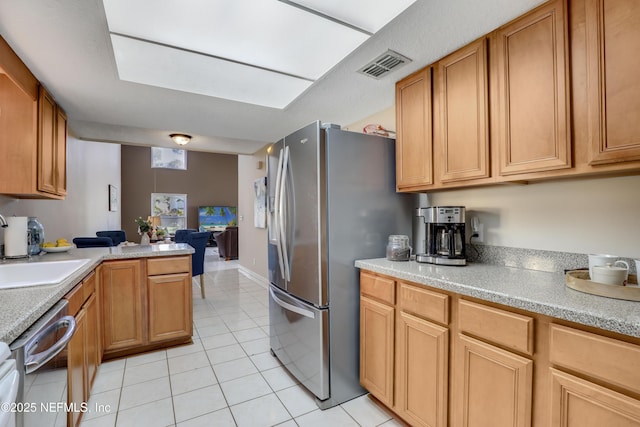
{"x":530,"y":290}
{"x":21,"y":307}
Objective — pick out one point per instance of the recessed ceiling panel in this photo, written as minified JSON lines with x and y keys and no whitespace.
{"x":156,"y":65}
{"x":265,"y":33}
{"x":370,"y":15}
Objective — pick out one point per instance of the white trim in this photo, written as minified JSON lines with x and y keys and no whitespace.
{"x":262,"y":281}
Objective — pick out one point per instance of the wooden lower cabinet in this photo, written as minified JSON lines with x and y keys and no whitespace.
{"x":170,"y":299}
{"x":455,"y":361}
{"x":93,"y":338}
{"x":76,"y":369}
{"x":422,"y":360}
{"x":146,"y":303}
{"x":377,"y":349}
{"x":493,"y":387}
{"x":576,"y":402}
{"x":122,"y":305}
{"x":83,"y":351}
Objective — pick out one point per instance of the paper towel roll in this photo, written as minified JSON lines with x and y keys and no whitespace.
{"x":15,"y":236}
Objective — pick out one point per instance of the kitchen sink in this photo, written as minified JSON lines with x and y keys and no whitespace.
{"x":18,"y":275}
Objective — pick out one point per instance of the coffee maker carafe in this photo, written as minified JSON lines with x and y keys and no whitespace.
{"x":444,"y":235}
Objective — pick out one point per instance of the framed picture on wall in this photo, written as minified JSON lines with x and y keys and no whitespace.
{"x":113,"y":198}
{"x":260,"y":203}
{"x":168,"y":158}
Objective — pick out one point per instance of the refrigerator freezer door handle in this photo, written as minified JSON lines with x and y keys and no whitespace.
{"x":277,"y":216}
{"x":291,"y":307}
{"x":282,"y":226}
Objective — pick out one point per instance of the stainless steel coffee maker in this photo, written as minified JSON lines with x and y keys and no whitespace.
{"x":444,"y":240}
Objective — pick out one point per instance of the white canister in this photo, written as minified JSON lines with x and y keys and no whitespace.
{"x":16,"y":237}
{"x":610,"y":274}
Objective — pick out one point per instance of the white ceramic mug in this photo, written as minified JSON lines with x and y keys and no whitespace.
{"x":611,"y":274}
{"x":600,"y":259}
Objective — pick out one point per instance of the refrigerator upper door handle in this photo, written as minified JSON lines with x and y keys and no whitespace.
{"x":282,"y":226}
{"x":278,"y":209}
{"x":301,"y":311}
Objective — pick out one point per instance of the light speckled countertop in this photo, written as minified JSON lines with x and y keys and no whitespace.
{"x":21,"y":307}
{"x":536,"y":291}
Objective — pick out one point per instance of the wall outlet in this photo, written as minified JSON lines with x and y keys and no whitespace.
{"x":480,"y":234}
{"x":254,"y":261}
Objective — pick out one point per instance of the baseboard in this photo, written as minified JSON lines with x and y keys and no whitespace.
{"x":254,"y":276}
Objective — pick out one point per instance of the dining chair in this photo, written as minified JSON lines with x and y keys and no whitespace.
{"x":92,"y":242}
{"x":198,"y":241}
{"x":118,"y":236}
{"x":180,"y":235}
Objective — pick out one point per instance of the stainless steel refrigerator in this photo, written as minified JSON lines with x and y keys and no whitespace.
{"x":331,"y":200}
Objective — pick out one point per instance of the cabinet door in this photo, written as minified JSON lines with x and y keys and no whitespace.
{"x":613,"y":87}
{"x":493,"y":387}
{"x":422,"y":353}
{"x":170,"y":307}
{"x":46,"y":142}
{"x":122,"y":305}
{"x":376,"y":349}
{"x":579,"y":403}
{"x":76,"y":368}
{"x":531,"y":74}
{"x":414,"y":143}
{"x":461,"y":131}
{"x":91,"y":345}
{"x":60,"y":152}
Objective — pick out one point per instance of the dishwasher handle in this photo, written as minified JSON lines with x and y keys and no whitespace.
{"x":33,"y":362}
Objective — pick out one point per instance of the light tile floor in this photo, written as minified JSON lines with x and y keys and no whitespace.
{"x":227,"y":377}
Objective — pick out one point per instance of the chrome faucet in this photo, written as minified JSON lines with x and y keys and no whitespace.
{"x":3,"y":222}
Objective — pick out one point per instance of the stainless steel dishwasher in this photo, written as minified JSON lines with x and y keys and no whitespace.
{"x":41,"y":359}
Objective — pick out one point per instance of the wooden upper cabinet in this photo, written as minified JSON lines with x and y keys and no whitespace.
{"x":613,"y":86}
{"x":52,"y":146}
{"x":46,"y":142}
{"x":36,"y":161}
{"x":414,"y":143}
{"x":461,"y":114}
{"x":61,"y":152}
{"x":532,"y":105}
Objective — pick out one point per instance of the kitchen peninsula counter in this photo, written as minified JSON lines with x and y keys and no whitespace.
{"x":531,"y":290}
{"x":21,"y":307}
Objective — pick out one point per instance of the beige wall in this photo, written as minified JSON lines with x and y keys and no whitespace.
{"x":252,"y":241}
{"x":600,"y":215}
{"x":210,"y":179}
{"x":385,"y":118}
{"x":91,"y":167}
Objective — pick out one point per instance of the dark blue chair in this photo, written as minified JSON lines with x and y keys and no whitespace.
{"x":198,"y":241}
{"x":181,"y":234}
{"x":118,"y":236}
{"x":92,"y":242}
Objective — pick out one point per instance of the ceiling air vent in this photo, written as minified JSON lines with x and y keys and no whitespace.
{"x":383,"y":64}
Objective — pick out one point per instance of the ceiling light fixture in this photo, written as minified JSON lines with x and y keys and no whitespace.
{"x":180,"y":138}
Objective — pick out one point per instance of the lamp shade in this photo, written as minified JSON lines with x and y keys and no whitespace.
{"x":180,"y":138}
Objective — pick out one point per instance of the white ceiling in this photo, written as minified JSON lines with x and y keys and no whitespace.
{"x":66,"y":44}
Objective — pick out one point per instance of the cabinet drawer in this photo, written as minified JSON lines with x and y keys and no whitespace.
{"x":498,"y":326}
{"x":75,"y":297}
{"x":424,"y":303}
{"x":380,"y":288}
{"x":89,"y":285}
{"x":607,"y":359}
{"x":168,"y":265}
